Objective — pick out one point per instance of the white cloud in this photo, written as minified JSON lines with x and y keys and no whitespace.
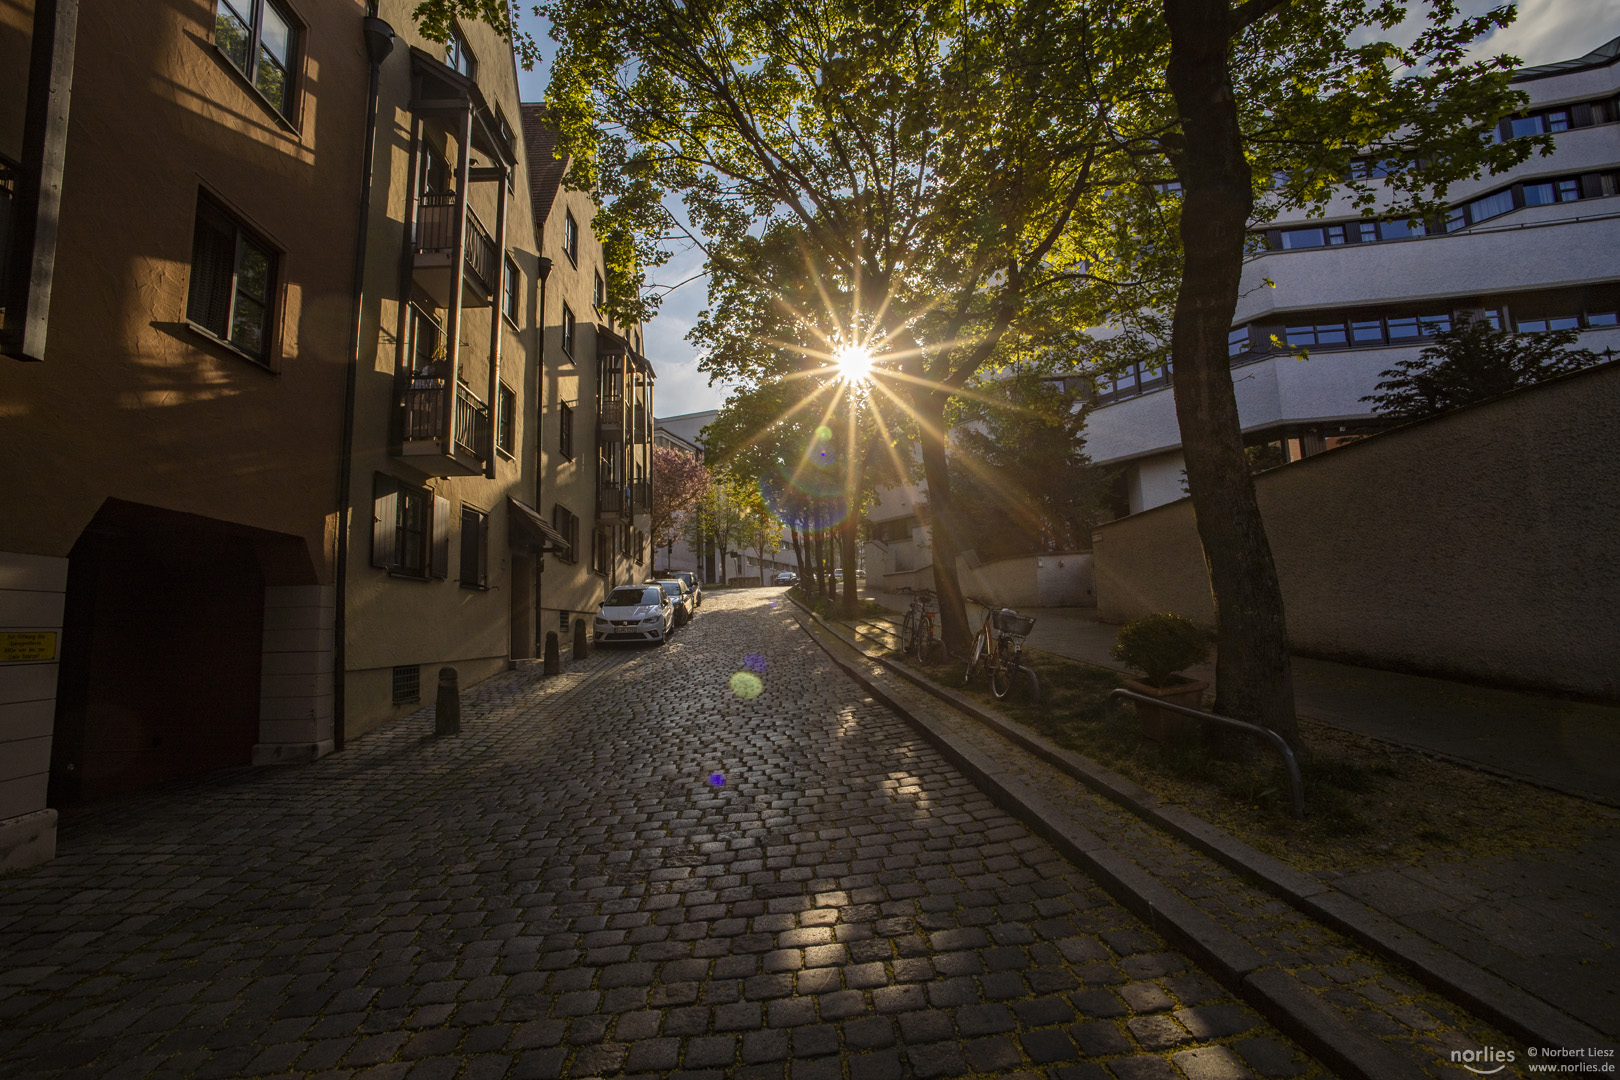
{"x":1548,"y":31}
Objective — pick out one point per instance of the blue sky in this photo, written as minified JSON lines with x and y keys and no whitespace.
{"x":1546,"y":31}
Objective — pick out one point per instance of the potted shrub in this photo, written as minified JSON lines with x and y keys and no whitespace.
{"x":1161,"y":647}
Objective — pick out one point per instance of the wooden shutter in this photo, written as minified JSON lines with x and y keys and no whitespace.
{"x":439,"y":563}
{"x":483,"y":550}
{"x":384,"y":520}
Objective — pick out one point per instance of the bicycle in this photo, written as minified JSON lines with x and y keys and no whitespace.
{"x":998,"y":648}
{"x":917,"y":630}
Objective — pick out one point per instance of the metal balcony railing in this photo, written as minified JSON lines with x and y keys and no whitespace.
{"x":472,"y":424}
{"x":436,"y":231}
{"x":613,"y":500}
{"x":423,"y":417}
{"x":640,"y":496}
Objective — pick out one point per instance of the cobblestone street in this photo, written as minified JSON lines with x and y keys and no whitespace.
{"x":562,"y":891}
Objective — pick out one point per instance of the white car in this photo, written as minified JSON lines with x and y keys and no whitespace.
{"x":635,"y":613}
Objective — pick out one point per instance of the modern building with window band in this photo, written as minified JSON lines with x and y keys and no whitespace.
{"x":1532,"y":249}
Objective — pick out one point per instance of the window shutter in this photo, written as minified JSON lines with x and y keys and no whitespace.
{"x":384,"y":520}
{"x":439,"y":565}
{"x":483,"y":550}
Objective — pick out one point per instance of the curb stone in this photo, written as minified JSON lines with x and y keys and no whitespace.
{"x":1515,"y":1011}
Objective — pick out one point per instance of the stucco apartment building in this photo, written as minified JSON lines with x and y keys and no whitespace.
{"x":281,"y":444}
{"x":1532,"y":248}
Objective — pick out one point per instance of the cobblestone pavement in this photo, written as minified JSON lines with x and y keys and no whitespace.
{"x":1375,"y":995}
{"x":562,"y":891}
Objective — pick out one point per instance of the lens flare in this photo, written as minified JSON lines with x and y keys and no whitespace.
{"x":745,"y":684}
{"x":754,"y":662}
{"x":717,"y":779}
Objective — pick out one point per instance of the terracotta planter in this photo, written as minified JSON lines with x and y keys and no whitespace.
{"x":1163,"y":725}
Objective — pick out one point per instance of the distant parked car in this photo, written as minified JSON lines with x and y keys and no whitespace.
{"x":787,"y":577}
{"x":635,"y":613}
{"x":679,"y":596}
{"x":693,"y":584}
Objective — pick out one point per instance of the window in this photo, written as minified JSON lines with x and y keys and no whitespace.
{"x":407,"y":684}
{"x":1408,"y":327}
{"x":601,"y":293}
{"x":505,"y":419}
{"x":1399,"y":230}
{"x":233,"y":281}
{"x":1302,"y":238}
{"x":1335,"y":234}
{"x":425,"y":337}
{"x":641,"y":548}
{"x":260,"y":41}
{"x":565,"y":435}
{"x":509,"y":296}
{"x":458,"y":56}
{"x":1490,"y":206}
{"x":1547,"y":322}
{"x":1367,"y":332}
{"x":571,"y":237}
{"x":601,"y":550}
{"x":566,"y":522}
{"x":410,"y":529}
{"x":1237,"y":341}
{"x":474,"y":548}
{"x":1317,"y":334}
{"x":568,"y":331}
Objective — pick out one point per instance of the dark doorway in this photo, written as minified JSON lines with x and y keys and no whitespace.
{"x":162,"y":639}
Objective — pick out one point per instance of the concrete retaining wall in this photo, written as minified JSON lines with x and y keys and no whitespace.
{"x":1482,"y":545}
{"x":1060,"y":579}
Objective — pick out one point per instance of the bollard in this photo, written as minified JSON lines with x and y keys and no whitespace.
{"x":579,"y":640}
{"x":447,"y":720}
{"x":553,"y":654}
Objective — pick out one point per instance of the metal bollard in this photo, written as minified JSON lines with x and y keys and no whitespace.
{"x":580,"y":651}
{"x":447,"y":720}
{"x":553,"y":654}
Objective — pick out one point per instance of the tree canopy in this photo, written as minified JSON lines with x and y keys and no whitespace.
{"x":1472,"y":362}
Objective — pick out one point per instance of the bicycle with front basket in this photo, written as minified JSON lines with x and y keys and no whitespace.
{"x":998,"y":650}
{"x":917,"y":635}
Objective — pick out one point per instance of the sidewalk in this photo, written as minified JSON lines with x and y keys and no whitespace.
{"x":1547,"y":921}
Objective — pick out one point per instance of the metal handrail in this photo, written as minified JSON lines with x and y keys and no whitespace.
{"x":1296,"y":783}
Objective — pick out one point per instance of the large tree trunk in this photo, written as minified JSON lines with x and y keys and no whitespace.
{"x":852,"y":595}
{"x":1253,"y":677}
{"x":953,"y":618}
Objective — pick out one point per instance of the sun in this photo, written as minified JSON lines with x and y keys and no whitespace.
{"x":854,"y":363}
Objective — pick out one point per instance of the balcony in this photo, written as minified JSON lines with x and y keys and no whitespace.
{"x":610,"y":419}
{"x":612,"y":504}
{"x":436,"y":216}
{"x":640,"y":497}
{"x":422,"y":408}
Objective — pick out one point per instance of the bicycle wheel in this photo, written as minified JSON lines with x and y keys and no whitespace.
{"x":908,"y":632}
{"x":979,"y":642}
{"x":1001,"y":673}
{"x":919,"y":644}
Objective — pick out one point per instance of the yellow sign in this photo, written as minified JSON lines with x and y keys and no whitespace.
{"x":17,"y":646}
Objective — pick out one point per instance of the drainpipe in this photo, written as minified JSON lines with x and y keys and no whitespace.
{"x":540,"y":442}
{"x":379,"y":43}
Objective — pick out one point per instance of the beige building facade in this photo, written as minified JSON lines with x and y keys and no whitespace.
{"x":259,"y":499}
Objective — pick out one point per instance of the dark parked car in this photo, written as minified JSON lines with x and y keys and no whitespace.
{"x":680,"y":596}
{"x":693,"y":584}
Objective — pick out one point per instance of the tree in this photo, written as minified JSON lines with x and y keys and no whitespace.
{"x":1472,"y":362}
{"x":761,"y":531}
{"x":1278,"y":83}
{"x":718,"y":515}
{"x":678,"y":480}
{"x":903,"y":172}
{"x":1020,"y":474}
{"x":959,"y":178}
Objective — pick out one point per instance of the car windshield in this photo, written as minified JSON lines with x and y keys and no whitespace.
{"x":673,"y":588}
{"x":632,"y":597}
